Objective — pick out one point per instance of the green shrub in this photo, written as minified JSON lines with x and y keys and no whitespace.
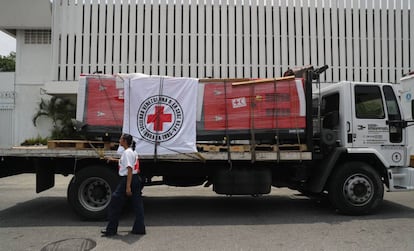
{"x":35,"y":141}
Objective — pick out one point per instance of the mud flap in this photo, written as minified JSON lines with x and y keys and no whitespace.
{"x":45,"y":174}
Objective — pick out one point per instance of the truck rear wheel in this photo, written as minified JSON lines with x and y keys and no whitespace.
{"x":355,"y":188}
{"x":90,"y":190}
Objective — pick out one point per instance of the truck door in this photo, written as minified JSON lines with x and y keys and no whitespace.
{"x":375,"y":122}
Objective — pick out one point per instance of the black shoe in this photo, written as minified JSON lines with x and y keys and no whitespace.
{"x":138,"y":233}
{"x":105,"y":233}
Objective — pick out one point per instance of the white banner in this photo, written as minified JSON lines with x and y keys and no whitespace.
{"x":161,"y":112}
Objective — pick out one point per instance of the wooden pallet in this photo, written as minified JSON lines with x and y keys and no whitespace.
{"x":247,"y":148}
{"x":217,"y":148}
{"x":79,"y":144}
{"x":292,"y":147}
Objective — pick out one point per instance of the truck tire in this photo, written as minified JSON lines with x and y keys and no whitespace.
{"x":355,"y":188}
{"x":90,"y":190}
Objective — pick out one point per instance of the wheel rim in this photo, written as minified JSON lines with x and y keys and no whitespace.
{"x":94,"y":194}
{"x":358,"y":190}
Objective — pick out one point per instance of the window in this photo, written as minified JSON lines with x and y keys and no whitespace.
{"x":392,"y":105}
{"x":393,"y":114}
{"x":368,"y":102}
{"x":330,"y":111}
{"x":37,"y":36}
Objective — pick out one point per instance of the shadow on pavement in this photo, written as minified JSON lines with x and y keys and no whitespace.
{"x":200,"y":211}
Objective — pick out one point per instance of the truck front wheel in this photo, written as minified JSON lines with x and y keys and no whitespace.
{"x":355,"y":188}
{"x":90,"y":190}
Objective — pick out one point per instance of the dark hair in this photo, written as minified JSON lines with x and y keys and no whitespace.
{"x":129,"y":140}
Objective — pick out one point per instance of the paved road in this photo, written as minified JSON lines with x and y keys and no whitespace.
{"x":198,"y":219}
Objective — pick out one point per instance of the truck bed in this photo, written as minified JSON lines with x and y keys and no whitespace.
{"x":44,"y":152}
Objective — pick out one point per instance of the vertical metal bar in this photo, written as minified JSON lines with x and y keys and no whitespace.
{"x":309,"y":119}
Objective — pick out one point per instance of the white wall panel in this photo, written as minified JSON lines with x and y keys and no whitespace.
{"x":370,"y":41}
{"x":312,"y":33}
{"x":254,"y":31}
{"x":391,"y":40}
{"x":247,"y":48}
{"x":261,"y":39}
{"x":356,"y":39}
{"x":269,"y":34}
{"x":298,"y":33}
{"x":405,"y":38}
{"x":132,"y":37}
{"x":124,"y":36}
{"x":231,"y":43}
{"x":55,"y":40}
{"x":320,"y":38}
{"x":326,"y":23}
{"x":116,"y":53}
{"x":411,"y":21}
{"x":335,"y":42}
{"x":193,"y":39}
{"x":216,"y":51}
{"x":155,"y":39}
{"x":139,"y":51}
{"x":342,"y":41}
{"x":290,"y":23}
{"x":348,"y":38}
{"x":306,"y":35}
{"x":94,"y":37}
{"x":361,"y":40}
{"x":398,"y":40}
{"x":79,"y":36}
{"x":284,"y":62}
{"x":384,"y":41}
{"x":62,"y":62}
{"x":239,"y":39}
{"x":362,"y":56}
{"x":147,"y":45}
{"x":71,"y":41}
{"x":201,"y":41}
{"x":377,"y":39}
{"x":100,"y":46}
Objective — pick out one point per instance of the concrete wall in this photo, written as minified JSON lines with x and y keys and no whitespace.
{"x":7,"y":102}
{"x":33,"y":61}
{"x":18,"y":14}
{"x":32,"y":71}
{"x":6,"y":81}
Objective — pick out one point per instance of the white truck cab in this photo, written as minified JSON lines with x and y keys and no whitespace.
{"x":368,"y":120}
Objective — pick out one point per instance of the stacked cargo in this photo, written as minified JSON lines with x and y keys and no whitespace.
{"x":238,"y":110}
{"x":267,"y":111}
{"x":100,"y":105}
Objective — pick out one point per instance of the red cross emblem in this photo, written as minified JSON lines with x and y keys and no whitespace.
{"x":159,"y":118}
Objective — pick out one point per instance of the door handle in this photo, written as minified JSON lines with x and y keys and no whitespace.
{"x":348,"y":127}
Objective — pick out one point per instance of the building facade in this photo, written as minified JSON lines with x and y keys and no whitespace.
{"x":360,"y":40}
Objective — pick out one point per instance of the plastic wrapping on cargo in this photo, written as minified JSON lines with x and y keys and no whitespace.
{"x":100,"y":105}
{"x":269,"y":112}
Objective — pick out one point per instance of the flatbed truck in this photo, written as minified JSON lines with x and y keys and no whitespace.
{"x":356,"y":144}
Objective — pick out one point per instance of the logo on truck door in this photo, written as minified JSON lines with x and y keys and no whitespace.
{"x":159,"y":118}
